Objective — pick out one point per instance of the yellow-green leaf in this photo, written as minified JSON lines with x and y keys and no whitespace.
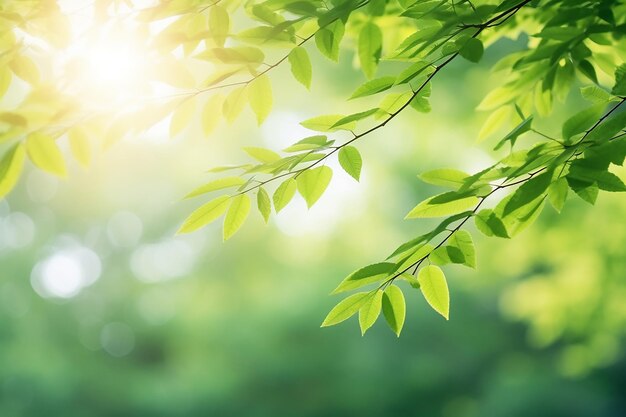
{"x":211,"y":114}
{"x":351,"y":161}
{"x":26,"y":69}
{"x":394,"y":308}
{"x":346,"y":308}
{"x":205,"y":214}
{"x":313,"y":182}
{"x":301,"y":66}
{"x":234,"y":104}
{"x":80,"y":146}
{"x":435,"y":289}
{"x":219,"y":24}
{"x":443,"y":205}
{"x":284,"y":193}
{"x":264,"y":204}
{"x":369,"y":312}
{"x":44,"y":152}
{"x":218,"y":184}
{"x":260,"y":97}
{"x":10,"y":168}
{"x":237,"y":214}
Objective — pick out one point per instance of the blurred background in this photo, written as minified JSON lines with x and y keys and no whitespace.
{"x":105,"y":312}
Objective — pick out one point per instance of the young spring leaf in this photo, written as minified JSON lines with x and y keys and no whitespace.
{"x":327,"y":123}
{"x":313,"y":182}
{"x":557,"y":193}
{"x":370,"y":48}
{"x":374,"y":86}
{"x":346,"y":308}
{"x":494,"y":122}
{"x":219,"y":24}
{"x":261,"y":154}
{"x":490,"y":224}
{"x":351,"y":161}
{"x":394,"y":308}
{"x":284,"y":193}
{"x":205,"y":214}
{"x":609,"y":128}
{"x":260,"y":97}
{"x":443,"y":205}
{"x":459,"y":250}
{"x":364,"y":276}
{"x":472,"y":49}
{"x":182,"y":116}
{"x":211,"y":113}
{"x":435,"y":289}
{"x":446,"y":177}
{"x":10,"y":168}
{"x":512,"y":136}
{"x":234,"y":103}
{"x":369,"y":312}
{"x":237,"y":214}
{"x":44,"y":152}
{"x":301,"y":66}
{"x":264,"y":204}
{"x":528,"y":192}
{"x":581,"y":121}
{"x":218,"y":184}
{"x":328,"y":39}
{"x":79,"y":145}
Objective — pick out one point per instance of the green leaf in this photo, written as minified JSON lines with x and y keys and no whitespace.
{"x":218,"y":184}
{"x":374,"y":86}
{"x":346,"y":308}
{"x":301,"y":66}
{"x":326,"y":123}
{"x":582,"y":121}
{"x":413,"y":71}
{"x":490,"y":224}
{"x":494,"y":122}
{"x":182,"y":116}
{"x":608,"y":128}
{"x":44,"y":152}
{"x":11,"y":166}
{"x":261,"y":154}
{"x":328,"y":39}
{"x":309,"y":143}
{"x":237,"y":214}
{"x":619,"y":89}
{"x":588,"y":70}
{"x":595,"y":94}
{"x":557,"y":193}
{"x":365,"y":276}
{"x":459,"y":250}
{"x":260,"y":97}
{"x":313,"y":182}
{"x":472,"y":49}
{"x":355,"y":117}
{"x":446,"y":177}
{"x":588,"y":192}
{"x":351,"y":161}
{"x":520,"y":129}
{"x":435,"y":289}
{"x":284,"y":193}
{"x":415,"y":257}
{"x":219,"y":24}
{"x":369,"y":312}
{"x":370,"y":48}
{"x":394,"y":308}
{"x":79,"y":145}
{"x":26,"y":69}
{"x":205,"y":214}
{"x":264,"y":204}
{"x":443,"y":205}
{"x":211,"y":113}
{"x":528,"y":192}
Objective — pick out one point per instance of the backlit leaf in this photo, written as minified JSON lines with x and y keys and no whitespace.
{"x":394,"y":308}
{"x":435,"y":289}
{"x":313,"y":182}
{"x":350,"y":160}
{"x":236,"y":215}
{"x":205,"y":214}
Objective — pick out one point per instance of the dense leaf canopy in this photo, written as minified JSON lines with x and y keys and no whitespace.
{"x":185,"y":60}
